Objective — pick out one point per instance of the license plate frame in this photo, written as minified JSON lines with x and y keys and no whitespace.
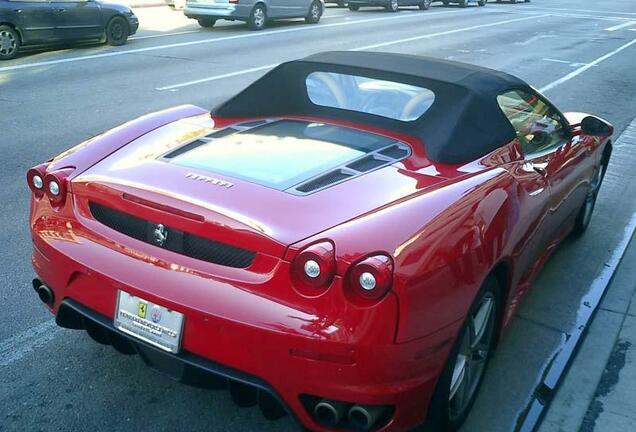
{"x":148,"y":321}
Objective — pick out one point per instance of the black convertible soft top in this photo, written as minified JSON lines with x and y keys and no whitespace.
{"x":464,"y":123}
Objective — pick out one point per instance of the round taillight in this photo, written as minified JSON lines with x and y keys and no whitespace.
{"x":371,"y":278}
{"x":54,"y":188}
{"x":314,"y":267}
{"x":56,"y":185}
{"x":38,"y":183}
{"x":35,"y":179}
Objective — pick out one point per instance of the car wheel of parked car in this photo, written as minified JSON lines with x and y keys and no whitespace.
{"x":392,"y":6}
{"x":353,"y":7}
{"x":315,"y":12}
{"x":117,"y":31}
{"x":206,"y":22}
{"x":513,"y":1}
{"x":482,"y":2}
{"x":342,"y":3}
{"x":258,"y":18}
{"x":425,"y":4}
{"x":9,"y":42}
{"x":585,"y":214}
{"x":445,"y":2}
{"x":458,"y":385}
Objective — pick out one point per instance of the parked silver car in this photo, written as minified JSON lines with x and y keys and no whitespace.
{"x":255,"y":12}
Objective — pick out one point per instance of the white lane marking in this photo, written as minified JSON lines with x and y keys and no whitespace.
{"x":620,"y":26}
{"x":217,"y":77}
{"x":227,"y":38}
{"x":556,"y":60}
{"x":585,"y":67}
{"x":18,"y":346}
{"x":398,"y":41}
{"x":572,"y":64}
{"x":448,"y":32}
{"x":579,"y":10}
{"x":165,"y":34}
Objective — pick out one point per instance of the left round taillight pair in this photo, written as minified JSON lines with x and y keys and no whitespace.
{"x":52,"y":184}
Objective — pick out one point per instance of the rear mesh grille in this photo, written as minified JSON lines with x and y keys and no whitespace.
{"x":327,"y":179}
{"x":366,"y":164}
{"x":176,"y":241}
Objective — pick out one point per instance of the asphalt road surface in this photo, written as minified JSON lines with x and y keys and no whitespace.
{"x":582,"y":54}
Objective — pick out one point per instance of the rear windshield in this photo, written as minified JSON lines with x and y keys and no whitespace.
{"x":389,"y":99}
{"x":280,"y":154}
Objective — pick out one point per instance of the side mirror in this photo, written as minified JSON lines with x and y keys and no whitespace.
{"x":595,"y":126}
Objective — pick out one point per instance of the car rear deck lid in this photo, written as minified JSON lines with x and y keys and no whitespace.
{"x":295,"y":156}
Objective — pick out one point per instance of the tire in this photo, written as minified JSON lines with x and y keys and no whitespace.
{"x":343,"y":3}
{"x":117,"y":31}
{"x":206,"y":22}
{"x":445,"y":2}
{"x":9,"y":42}
{"x":353,"y":7}
{"x":470,"y":351}
{"x":463,"y":3}
{"x":315,"y":12}
{"x":425,"y":4}
{"x":392,"y":6}
{"x":482,"y":2}
{"x":258,"y":18}
{"x":584,"y":216}
{"x":513,"y":1}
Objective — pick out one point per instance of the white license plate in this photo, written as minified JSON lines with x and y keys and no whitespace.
{"x":150,"y":322}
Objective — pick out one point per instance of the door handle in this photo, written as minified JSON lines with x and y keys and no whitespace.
{"x":539,"y":168}
{"x":61,"y":10}
{"x":18,"y":11}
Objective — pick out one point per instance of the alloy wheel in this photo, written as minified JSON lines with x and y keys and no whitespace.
{"x":592,"y":193}
{"x":472,"y":356}
{"x":8,"y":43}
{"x":315,"y":11}
{"x":259,"y":17}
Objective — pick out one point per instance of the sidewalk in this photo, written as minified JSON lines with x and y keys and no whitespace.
{"x":598,"y":393}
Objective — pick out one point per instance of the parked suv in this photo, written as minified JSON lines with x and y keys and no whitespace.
{"x":33,"y":22}
{"x":255,"y":12}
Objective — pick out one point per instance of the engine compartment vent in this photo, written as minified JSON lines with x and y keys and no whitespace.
{"x":324,"y":180}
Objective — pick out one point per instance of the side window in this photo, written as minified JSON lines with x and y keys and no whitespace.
{"x":538,"y":125}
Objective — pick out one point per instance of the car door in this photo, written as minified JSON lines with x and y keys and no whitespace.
{"x":532,"y":173}
{"x":563,"y":160}
{"x":287,"y":8}
{"x":78,"y":19}
{"x":35,"y":20}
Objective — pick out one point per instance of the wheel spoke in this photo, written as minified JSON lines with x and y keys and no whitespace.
{"x":481,"y":320}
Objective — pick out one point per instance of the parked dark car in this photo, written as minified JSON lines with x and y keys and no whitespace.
{"x":35,"y":22}
{"x":390,"y":5}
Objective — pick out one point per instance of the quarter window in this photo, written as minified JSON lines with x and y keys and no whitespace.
{"x":538,"y":125}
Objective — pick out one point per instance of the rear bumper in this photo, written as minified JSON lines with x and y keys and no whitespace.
{"x":369,"y":2}
{"x":232,"y":12}
{"x":282,"y":351}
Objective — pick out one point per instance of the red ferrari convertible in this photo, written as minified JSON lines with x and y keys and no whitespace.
{"x":342,"y":241}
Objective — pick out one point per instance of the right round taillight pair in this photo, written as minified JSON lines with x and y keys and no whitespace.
{"x":368,"y":280}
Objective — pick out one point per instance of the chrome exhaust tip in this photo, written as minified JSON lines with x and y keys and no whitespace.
{"x":365,"y":417}
{"x":45,"y":294}
{"x":328,"y":412}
